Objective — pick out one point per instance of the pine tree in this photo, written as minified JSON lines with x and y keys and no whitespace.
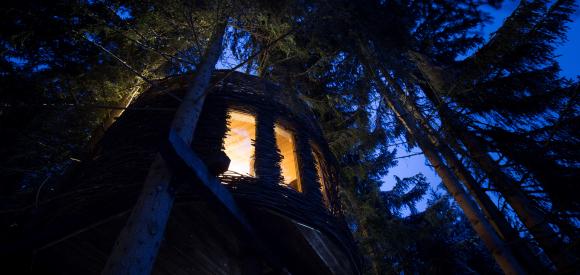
{"x":510,"y":81}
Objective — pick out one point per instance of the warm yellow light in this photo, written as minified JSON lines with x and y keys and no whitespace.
{"x":238,"y":142}
{"x":321,"y":179}
{"x":289,"y":165}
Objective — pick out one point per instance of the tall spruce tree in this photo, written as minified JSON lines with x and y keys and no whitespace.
{"x":511,"y":87}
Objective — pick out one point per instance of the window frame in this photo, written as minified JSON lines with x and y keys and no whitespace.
{"x":252,"y":158}
{"x":292,"y":133}
{"x":322,"y":179}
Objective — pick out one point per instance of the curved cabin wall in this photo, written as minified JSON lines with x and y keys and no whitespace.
{"x":262,"y":129}
{"x":271,"y":138}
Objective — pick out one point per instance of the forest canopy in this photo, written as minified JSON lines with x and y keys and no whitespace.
{"x":494,"y":118}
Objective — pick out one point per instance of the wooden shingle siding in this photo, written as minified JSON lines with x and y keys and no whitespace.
{"x":107,"y":183}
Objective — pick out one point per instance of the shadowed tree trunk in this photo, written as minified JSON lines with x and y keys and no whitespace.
{"x":494,"y":216}
{"x":375,"y":259}
{"x":529,"y":213}
{"x":138,"y":243}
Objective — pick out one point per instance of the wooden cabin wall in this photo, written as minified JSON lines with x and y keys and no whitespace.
{"x":73,"y":232}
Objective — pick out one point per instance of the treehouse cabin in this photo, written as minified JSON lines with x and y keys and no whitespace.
{"x":263,"y":145}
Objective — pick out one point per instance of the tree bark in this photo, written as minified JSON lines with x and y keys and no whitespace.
{"x":494,"y":216}
{"x":375,"y":259}
{"x":493,"y":242}
{"x":529,"y":213}
{"x":138,"y":242}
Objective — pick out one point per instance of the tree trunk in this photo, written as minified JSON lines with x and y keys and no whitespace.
{"x":529,"y":213}
{"x":498,"y":248}
{"x":375,"y":259}
{"x":494,"y":216}
{"x":138,"y":243}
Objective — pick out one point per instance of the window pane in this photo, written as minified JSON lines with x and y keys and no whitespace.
{"x":321,"y":178}
{"x":238,"y":142}
{"x":289,"y":165}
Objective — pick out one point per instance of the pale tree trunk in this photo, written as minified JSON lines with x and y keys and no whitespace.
{"x":375,"y":265}
{"x":138,"y":243}
{"x":495,"y":217}
{"x":527,"y":210}
{"x":492,"y":241}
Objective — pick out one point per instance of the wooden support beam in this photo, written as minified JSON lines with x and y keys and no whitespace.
{"x":185,"y":163}
{"x":138,"y":243}
{"x":187,"y":166}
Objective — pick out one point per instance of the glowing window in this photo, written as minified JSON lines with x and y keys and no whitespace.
{"x":321,"y":177}
{"x":238,"y":143}
{"x":289,"y":165}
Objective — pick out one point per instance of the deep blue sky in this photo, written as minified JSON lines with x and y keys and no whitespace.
{"x":569,"y":57}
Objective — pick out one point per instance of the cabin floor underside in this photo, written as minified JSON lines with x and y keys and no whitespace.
{"x":200,"y":241}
